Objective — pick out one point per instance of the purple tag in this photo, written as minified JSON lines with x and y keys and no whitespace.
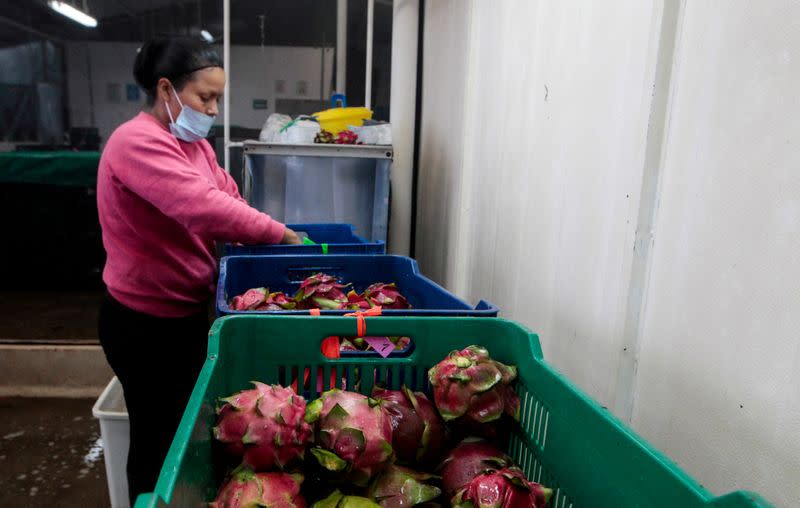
{"x":382,"y":345}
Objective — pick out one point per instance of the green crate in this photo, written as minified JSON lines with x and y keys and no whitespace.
{"x":565,"y":440}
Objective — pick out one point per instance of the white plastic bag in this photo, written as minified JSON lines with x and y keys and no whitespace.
{"x":300,"y":132}
{"x":379,"y":134}
{"x":272,"y":127}
{"x":282,"y":129}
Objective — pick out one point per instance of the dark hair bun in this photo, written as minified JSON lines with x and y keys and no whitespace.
{"x":144,"y":65}
{"x":174,"y":59}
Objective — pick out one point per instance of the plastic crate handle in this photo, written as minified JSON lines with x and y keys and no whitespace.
{"x":330,"y":345}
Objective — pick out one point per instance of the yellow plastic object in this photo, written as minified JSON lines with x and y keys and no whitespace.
{"x":336,"y":120}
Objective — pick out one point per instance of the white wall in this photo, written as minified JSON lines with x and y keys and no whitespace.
{"x":439,"y":188}
{"x":558,"y":136}
{"x":533,"y":159}
{"x":718,"y":383}
{"x":253,"y":69}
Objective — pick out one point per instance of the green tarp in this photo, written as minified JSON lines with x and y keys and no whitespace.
{"x":66,"y":169}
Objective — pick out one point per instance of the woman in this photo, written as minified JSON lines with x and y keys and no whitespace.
{"x":164,"y":202}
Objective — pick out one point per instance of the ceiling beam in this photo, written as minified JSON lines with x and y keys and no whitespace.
{"x":21,"y":26}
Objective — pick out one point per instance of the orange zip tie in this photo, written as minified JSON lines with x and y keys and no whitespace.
{"x":361,"y":323}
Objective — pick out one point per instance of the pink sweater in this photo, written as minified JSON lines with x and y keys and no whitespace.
{"x":163,"y":203}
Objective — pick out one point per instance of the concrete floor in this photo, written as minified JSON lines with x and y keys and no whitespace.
{"x":50,"y":454}
{"x":50,"y":448}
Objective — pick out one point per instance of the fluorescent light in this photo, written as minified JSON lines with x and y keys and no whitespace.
{"x":206,"y":35}
{"x":72,"y":13}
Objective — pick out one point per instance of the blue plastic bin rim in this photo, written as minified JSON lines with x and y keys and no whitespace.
{"x":357,"y":244}
{"x":325,"y":225}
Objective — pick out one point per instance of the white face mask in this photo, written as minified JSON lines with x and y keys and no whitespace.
{"x":191,"y":124}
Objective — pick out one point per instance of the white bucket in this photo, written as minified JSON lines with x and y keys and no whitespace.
{"x":114,"y":429}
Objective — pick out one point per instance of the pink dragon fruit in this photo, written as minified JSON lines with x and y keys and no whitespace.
{"x":236,"y":303}
{"x":504,"y":488}
{"x":346,"y":137}
{"x":471,"y":388}
{"x":467,"y":460}
{"x":399,"y":487}
{"x":247,"y":489}
{"x":339,"y":500}
{"x":346,"y":345}
{"x":277,"y":301}
{"x":356,"y":301}
{"x":264,"y":426}
{"x":321,"y":291}
{"x":251,"y":299}
{"x":418,"y":432}
{"x":400,"y":343}
{"x":324,"y":136}
{"x":353,"y":434}
{"x":386,"y":295}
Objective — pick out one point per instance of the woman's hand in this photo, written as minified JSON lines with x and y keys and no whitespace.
{"x":290,"y":238}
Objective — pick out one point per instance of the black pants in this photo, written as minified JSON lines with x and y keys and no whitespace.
{"x":157,"y":361}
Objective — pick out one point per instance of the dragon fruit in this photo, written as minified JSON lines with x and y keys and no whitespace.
{"x":339,"y":500}
{"x":346,"y":137}
{"x":251,"y":299}
{"x":321,"y":291}
{"x":471,"y":387}
{"x":353,"y":434}
{"x":467,"y":460}
{"x":504,"y":488}
{"x":356,"y":301}
{"x":264,"y":426}
{"x":418,"y":432}
{"x":236,"y":303}
{"x":386,"y":295}
{"x":399,"y":487}
{"x":324,"y":137}
{"x":247,"y":489}
{"x":277,"y":301}
{"x":346,"y":345}
{"x":400,"y":342}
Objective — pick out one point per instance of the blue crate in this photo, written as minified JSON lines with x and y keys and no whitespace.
{"x":285,"y":273}
{"x":337,"y":238}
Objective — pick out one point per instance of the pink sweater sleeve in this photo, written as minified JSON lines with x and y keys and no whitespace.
{"x":155,"y":169}
{"x":227,"y":183}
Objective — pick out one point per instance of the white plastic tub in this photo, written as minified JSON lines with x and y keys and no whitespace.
{"x":114,"y":429}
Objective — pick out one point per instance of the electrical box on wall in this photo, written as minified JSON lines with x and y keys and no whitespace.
{"x":132,"y":92}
